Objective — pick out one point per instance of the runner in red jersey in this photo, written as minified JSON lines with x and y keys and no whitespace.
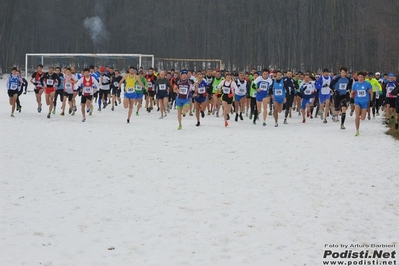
{"x":35,"y":80}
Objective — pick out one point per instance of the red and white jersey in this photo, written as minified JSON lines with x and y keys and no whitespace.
{"x":88,"y":84}
{"x":69,"y":83}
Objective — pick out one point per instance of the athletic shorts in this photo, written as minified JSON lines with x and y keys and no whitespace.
{"x":260,"y":95}
{"x":86,"y":98}
{"x":225,"y":98}
{"x":139,"y":95}
{"x":11,"y":93}
{"x":49,"y":90}
{"x":279,"y":100}
{"x":305,"y":102}
{"x":339,"y":101}
{"x":131,"y":95}
{"x":182,"y":102}
{"x":323,"y":98}
{"x":238,"y":98}
{"x":391,"y":102}
{"x":363,"y":105}
{"x":37,"y":90}
{"x":161,"y":95}
{"x":151,"y":94}
{"x":68,"y":95}
{"x":200,"y":99}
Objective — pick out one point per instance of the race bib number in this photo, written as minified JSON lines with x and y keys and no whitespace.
{"x":241,"y":90}
{"x":87,"y":89}
{"x":14,"y":86}
{"x":183,"y":90}
{"x":201,"y":90}
{"x":50,"y":82}
{"x":361,"y":93}
{"x":254,"y":94}
{"x":129,"y":90}
{"x":139,"y":88}
{"x":342,"y":86}
{"x":263,"y":87}
{"x":116,"y":84}
{"x":149,"y":84}
{"x":226,"y":90}
{"x":68,"y":85}
{"x":162,"y":87}
{"x":278,"y":92}
{"x":308,"y":92}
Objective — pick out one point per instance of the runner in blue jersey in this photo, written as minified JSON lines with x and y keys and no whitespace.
{"x":323,"y":86}
{"x":13,"y":84}
{"x":262,"y":84}
{"x":341,"y":85}
{"x":200,"y":97}
{"x":363,"y":94}
{"x":278,"y":93}
{"x":307,"y":90}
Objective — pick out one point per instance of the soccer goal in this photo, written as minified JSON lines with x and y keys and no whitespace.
{"x":122,"y":62}
{"x":184,"y":63}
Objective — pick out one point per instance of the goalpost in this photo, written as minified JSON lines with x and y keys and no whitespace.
{"x":181,"y":63}
{"x":80,"y":61}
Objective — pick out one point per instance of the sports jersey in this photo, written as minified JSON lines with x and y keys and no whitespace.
{"x":215,"y":84}
{"x":60,"y":86}
{"x":227,"y":87}
{"x":150,"y":82}
{"x":50,"y":80}
{"x":183,"y":87}
{"x":390,"y":86}
{"x":375,"y":84}
{"x":323,"y":85}
{"x":13,"y":82}
{"x":36,"y":76}
{"x":202,"y":88}
{"x":130,"y":83}
{"x":115,"y":81}
{"x":241,"y":87}
{"x":341,"y":85}
{"x":361,"y":91}
{"x":290,"y":86}
{"x":69,"y":83}
{"x":308,"y":90}
{"x":88,"y":85}
{"x":263,"y":84}
{"x":162,"y":85}
{"x":105,"y":83}
{"x":278,"y":89}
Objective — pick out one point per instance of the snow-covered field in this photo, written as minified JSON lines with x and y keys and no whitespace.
{"x":105,"y":192}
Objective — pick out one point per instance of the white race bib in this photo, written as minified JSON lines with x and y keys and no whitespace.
{"x":87,"y":89}
{"x":263,"y":87}
{"x":129,"y":90}
{"x":201,"y":90}
{"x":139,"y":88}
{"x":361,"y":93}
{"x":68,"y":85}
{"x":226,"y":90}
{"x":149,"y":84}
{"x":14,"y":86}
{"x":308,"y":92}
{"x":50,"y":82}
{"x":116,"y":84}
{"x":278,"y":92}
{"x":162,"y":87}
{"x":342,"y":86}
{"x":183,"y":89}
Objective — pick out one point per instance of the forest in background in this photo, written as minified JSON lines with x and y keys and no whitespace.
{"x":289,"y":34}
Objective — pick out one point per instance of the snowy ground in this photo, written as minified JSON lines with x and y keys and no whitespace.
{"x":109,"y":193}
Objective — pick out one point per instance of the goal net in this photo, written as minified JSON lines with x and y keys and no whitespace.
{"x":184,"y":63}
{"x":122,"y":62}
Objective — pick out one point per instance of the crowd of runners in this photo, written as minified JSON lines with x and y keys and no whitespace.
{"x":213,"y":92}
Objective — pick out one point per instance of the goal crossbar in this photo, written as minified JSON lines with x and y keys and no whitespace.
{"x":42,"y":55}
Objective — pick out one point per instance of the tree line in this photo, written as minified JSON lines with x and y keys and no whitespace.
{"x":295,"y":34}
